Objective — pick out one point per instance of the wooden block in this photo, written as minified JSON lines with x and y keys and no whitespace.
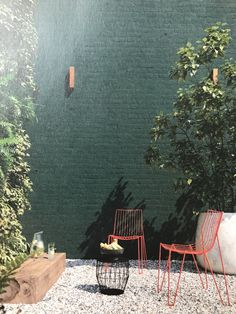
{"x":33,"y":279}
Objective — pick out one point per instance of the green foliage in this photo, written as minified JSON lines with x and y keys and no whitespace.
{"x":208,"y":49}
{"x":198,"y":138}
{"x":17,"y":92}
{"x":7,"y":273}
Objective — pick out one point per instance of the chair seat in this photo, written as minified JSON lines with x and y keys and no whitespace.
{"x":119,"y":237}
{"x":209,"y":236}
{"x":181,"y":248}
{"x":128,"y":225}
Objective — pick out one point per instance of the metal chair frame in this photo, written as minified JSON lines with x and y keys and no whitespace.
{"x":128,"y":225}
{"x":209,"y":235}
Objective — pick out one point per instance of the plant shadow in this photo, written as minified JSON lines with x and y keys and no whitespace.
{"x":79,"y":262}
{"x":99,"y":230}
{"x":179,"y":227}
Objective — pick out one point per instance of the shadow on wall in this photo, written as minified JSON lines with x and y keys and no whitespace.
{"x":103,"y":225}
{"x":179,"y":228}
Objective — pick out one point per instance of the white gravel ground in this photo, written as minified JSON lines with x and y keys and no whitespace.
{"x":77,"y":292}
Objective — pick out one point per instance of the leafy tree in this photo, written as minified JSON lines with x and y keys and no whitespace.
{"x":17,"y":92}
{"x":198,"y":138}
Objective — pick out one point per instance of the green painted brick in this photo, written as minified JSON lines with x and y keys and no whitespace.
{"x":83,"y":145}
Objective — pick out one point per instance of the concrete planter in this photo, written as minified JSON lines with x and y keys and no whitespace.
{"x":227,"y":239}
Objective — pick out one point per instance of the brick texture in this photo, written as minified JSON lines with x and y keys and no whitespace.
{"x":87,"y":154}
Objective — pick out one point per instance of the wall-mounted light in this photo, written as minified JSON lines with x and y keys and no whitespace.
{"x":70,"y":81}
{"x":215,"y":74}
{"x":71,"y":77}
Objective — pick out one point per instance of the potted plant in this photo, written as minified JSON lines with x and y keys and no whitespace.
{"x":198,"y":138}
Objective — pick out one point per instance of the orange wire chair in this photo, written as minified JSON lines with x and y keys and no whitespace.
{"x":209,"y":234}
{"x":128,"y":225}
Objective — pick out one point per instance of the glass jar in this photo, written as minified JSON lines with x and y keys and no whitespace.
{"x":37,"y":245}
{"x":51,"y":250}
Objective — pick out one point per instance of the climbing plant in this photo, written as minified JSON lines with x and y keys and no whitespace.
{"x":198,"y":138}
{"x":17,"y":97}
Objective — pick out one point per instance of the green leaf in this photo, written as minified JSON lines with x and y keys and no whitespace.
{"x":189,"y":181}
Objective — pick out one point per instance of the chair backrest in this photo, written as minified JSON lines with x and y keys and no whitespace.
{"x":128,"y":222}
{"x":210,"y":229}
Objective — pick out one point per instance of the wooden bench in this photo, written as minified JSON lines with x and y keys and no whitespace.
{"x":33,"y":279}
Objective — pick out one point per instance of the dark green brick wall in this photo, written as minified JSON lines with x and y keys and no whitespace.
{"x":87,"y":150}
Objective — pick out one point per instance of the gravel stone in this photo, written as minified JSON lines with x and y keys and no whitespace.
{"x":77,"y":291}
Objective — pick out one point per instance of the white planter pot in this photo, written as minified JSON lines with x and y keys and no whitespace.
{"x":227,"y":239}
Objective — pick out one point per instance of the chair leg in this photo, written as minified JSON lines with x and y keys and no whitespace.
{"x":160,"y":284}
{"x":178,"y":282}
{"x":139,"y":257}
{"x":194,"y":259}
{"x":169,"y":269}
{"x":110,"y":238}
{"x":217,"y":288}
{"x":205,"y":266}
{"x":158,"y":270}
{"x":143,"y":252}
{"x":223,"y":269}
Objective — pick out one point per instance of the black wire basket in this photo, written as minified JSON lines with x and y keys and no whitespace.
{"x":112,"y":274}
{"x":111,"y":252}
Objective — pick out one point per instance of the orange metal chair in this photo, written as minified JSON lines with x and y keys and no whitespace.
{"x":209,"y":234}
{"x":128,"y":225}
